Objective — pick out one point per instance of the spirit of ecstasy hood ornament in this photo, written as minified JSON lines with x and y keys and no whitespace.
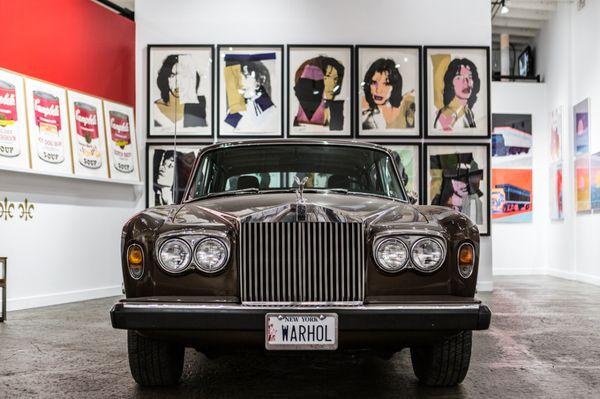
{"x":300,"y":189}
{"x":300,"y":201}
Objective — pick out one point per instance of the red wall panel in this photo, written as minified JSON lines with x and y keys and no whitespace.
{"x":74,"y":43}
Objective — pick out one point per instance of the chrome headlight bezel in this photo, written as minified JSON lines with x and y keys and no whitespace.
{"x":224,"y":261}
{"x":167,"y":268}
{"x":437,"y":241}
{"x":380,"y":263}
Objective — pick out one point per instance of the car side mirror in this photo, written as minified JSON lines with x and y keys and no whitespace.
{"x":413,"y":197}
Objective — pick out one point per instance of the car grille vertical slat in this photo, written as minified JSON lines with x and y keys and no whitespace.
{"x":296,"y":262}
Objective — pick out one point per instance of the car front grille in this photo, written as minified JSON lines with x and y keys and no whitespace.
{"x":302,"y":262}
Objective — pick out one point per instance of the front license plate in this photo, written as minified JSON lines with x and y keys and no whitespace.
{"x":301,"y":331}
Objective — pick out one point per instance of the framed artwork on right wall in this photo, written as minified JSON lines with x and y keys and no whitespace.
{"x":581,"y":130}
{"x":457,"y":92}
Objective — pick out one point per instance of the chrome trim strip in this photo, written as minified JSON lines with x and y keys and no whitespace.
{"x":292,"y":306}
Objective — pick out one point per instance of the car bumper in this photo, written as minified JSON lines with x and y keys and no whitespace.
{"x":148,"y":315}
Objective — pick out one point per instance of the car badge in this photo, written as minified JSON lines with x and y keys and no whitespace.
{"x":300,"y":201}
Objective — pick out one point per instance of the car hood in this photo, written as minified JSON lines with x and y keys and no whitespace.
{"x":280,"y":207}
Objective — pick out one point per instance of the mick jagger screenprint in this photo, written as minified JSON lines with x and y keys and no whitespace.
{"x":457,"y":90}
{"x":319,"y":90}
{"x":458,"y":177}
{"x":388,"y":91}
{"x":250,"y":90}
{"x":180,"y":84}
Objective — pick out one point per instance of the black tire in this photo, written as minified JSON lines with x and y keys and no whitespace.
{"x":153,"y":362}
{"x":443,"y":364}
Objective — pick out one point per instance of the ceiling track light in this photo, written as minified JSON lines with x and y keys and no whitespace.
{"x":504,"y":9}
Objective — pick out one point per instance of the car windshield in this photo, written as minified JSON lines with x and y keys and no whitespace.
{"x":272,"y":168}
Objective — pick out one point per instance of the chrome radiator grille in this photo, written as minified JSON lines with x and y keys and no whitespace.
{"x":302,"y":262}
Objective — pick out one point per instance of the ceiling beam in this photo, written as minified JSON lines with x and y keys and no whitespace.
{"x":515,"y":31}
{"x":536,"y":15}
{"x":510,"y":22}
{"x":537,"y":5}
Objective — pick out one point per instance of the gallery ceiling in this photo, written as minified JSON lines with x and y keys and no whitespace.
{"x":521,"y":19}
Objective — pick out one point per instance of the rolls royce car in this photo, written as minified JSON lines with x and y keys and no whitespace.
{"x":299,"y":245}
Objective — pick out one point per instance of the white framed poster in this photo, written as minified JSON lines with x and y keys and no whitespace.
{"x":320,"y":100}
{"x":409,"y":165}
{"x":556,"y":134}
{"x":388,"y":91}
{"x":250,"y":91}
{"x":14,"y":143}
{"x":180,"y":86}
{"x":457,"y":95}
{"x":88,"y":136}
{"x":48,"y":127}
{"x":168,"y":169}
{"x":121,"y":142}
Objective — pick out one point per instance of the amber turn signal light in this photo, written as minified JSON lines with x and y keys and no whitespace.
{"x":466,"y":259}
{"x":135,"y":261}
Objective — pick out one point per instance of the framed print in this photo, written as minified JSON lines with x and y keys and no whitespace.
{"x":121,"y":142}
{"x":595,"y":182}
{"x":512,"y":199}
{"x":581,"y":130}
{"x":250,"y":91}
{"x":410,"y":165}
{"x":319,"y":81}
{"x":457,"y":94}
{"x":180,"y":87}
{"x":167,"y":171}
{"x":388,"y":91}
{"x":48,"y":127}
{"x":511,"y":140}
{"x":582,"y":184}
{"x":458,"y":177}
{"x":556,"y":191}
{"x":88,"y":136}
{"x":556,"y":134}
{"x":14,"y":143}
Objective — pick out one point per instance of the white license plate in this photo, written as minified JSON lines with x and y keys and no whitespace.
{"x":301,"y":331}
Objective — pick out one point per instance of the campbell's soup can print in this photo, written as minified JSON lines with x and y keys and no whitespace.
{"x":120,"y":135}
{"x":9,"y":138}
{"x":46,"y":109}
{"x":88,"y":141}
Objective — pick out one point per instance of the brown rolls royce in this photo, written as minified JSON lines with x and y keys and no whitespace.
{"x":299,"y":245}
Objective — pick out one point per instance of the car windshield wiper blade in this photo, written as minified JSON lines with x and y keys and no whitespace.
{"x":249,"y":190}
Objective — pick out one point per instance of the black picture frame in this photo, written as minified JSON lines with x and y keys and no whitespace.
{"x":148,"y":180}
{"x":426,"y":114}
{"x":419,"y":146}
{"x":212,"y":90}
{"x":281,"y":134}
{"x":420,"y":103}
{"x":488,"y":175}
{"x":290,"y":134}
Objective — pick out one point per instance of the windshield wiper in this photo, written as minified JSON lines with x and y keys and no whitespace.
{"x":249,"y":190}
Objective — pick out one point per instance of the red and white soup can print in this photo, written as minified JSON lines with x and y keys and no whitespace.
{"x":9,"y":138}
{"x":46,"y":109}
{"x":88,"y":140}
{"x":120,"y":135}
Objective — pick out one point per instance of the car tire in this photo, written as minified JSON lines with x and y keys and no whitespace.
{"x":153,"y":362}
{"x":443,"y":364}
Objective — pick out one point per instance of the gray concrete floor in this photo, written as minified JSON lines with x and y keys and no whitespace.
{"x":544,"y":342}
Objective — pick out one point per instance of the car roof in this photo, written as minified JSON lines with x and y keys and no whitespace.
{"x":338,"y":142}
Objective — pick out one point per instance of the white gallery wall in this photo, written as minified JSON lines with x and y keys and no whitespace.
{"x":568,"y":54}
{"x":398,"y":22}
{"x":69,"y":249}
{"x":521,"y":248}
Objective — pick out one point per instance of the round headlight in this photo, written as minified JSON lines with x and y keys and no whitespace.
{"x":427,"y":254}
{"x":174,"y":255}
{"x":211,"y":255}
{"x":391,"y":255}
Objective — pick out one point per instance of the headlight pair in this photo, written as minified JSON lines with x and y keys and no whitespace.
{"x":393,"y":255}
{"x":210,"y":255}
